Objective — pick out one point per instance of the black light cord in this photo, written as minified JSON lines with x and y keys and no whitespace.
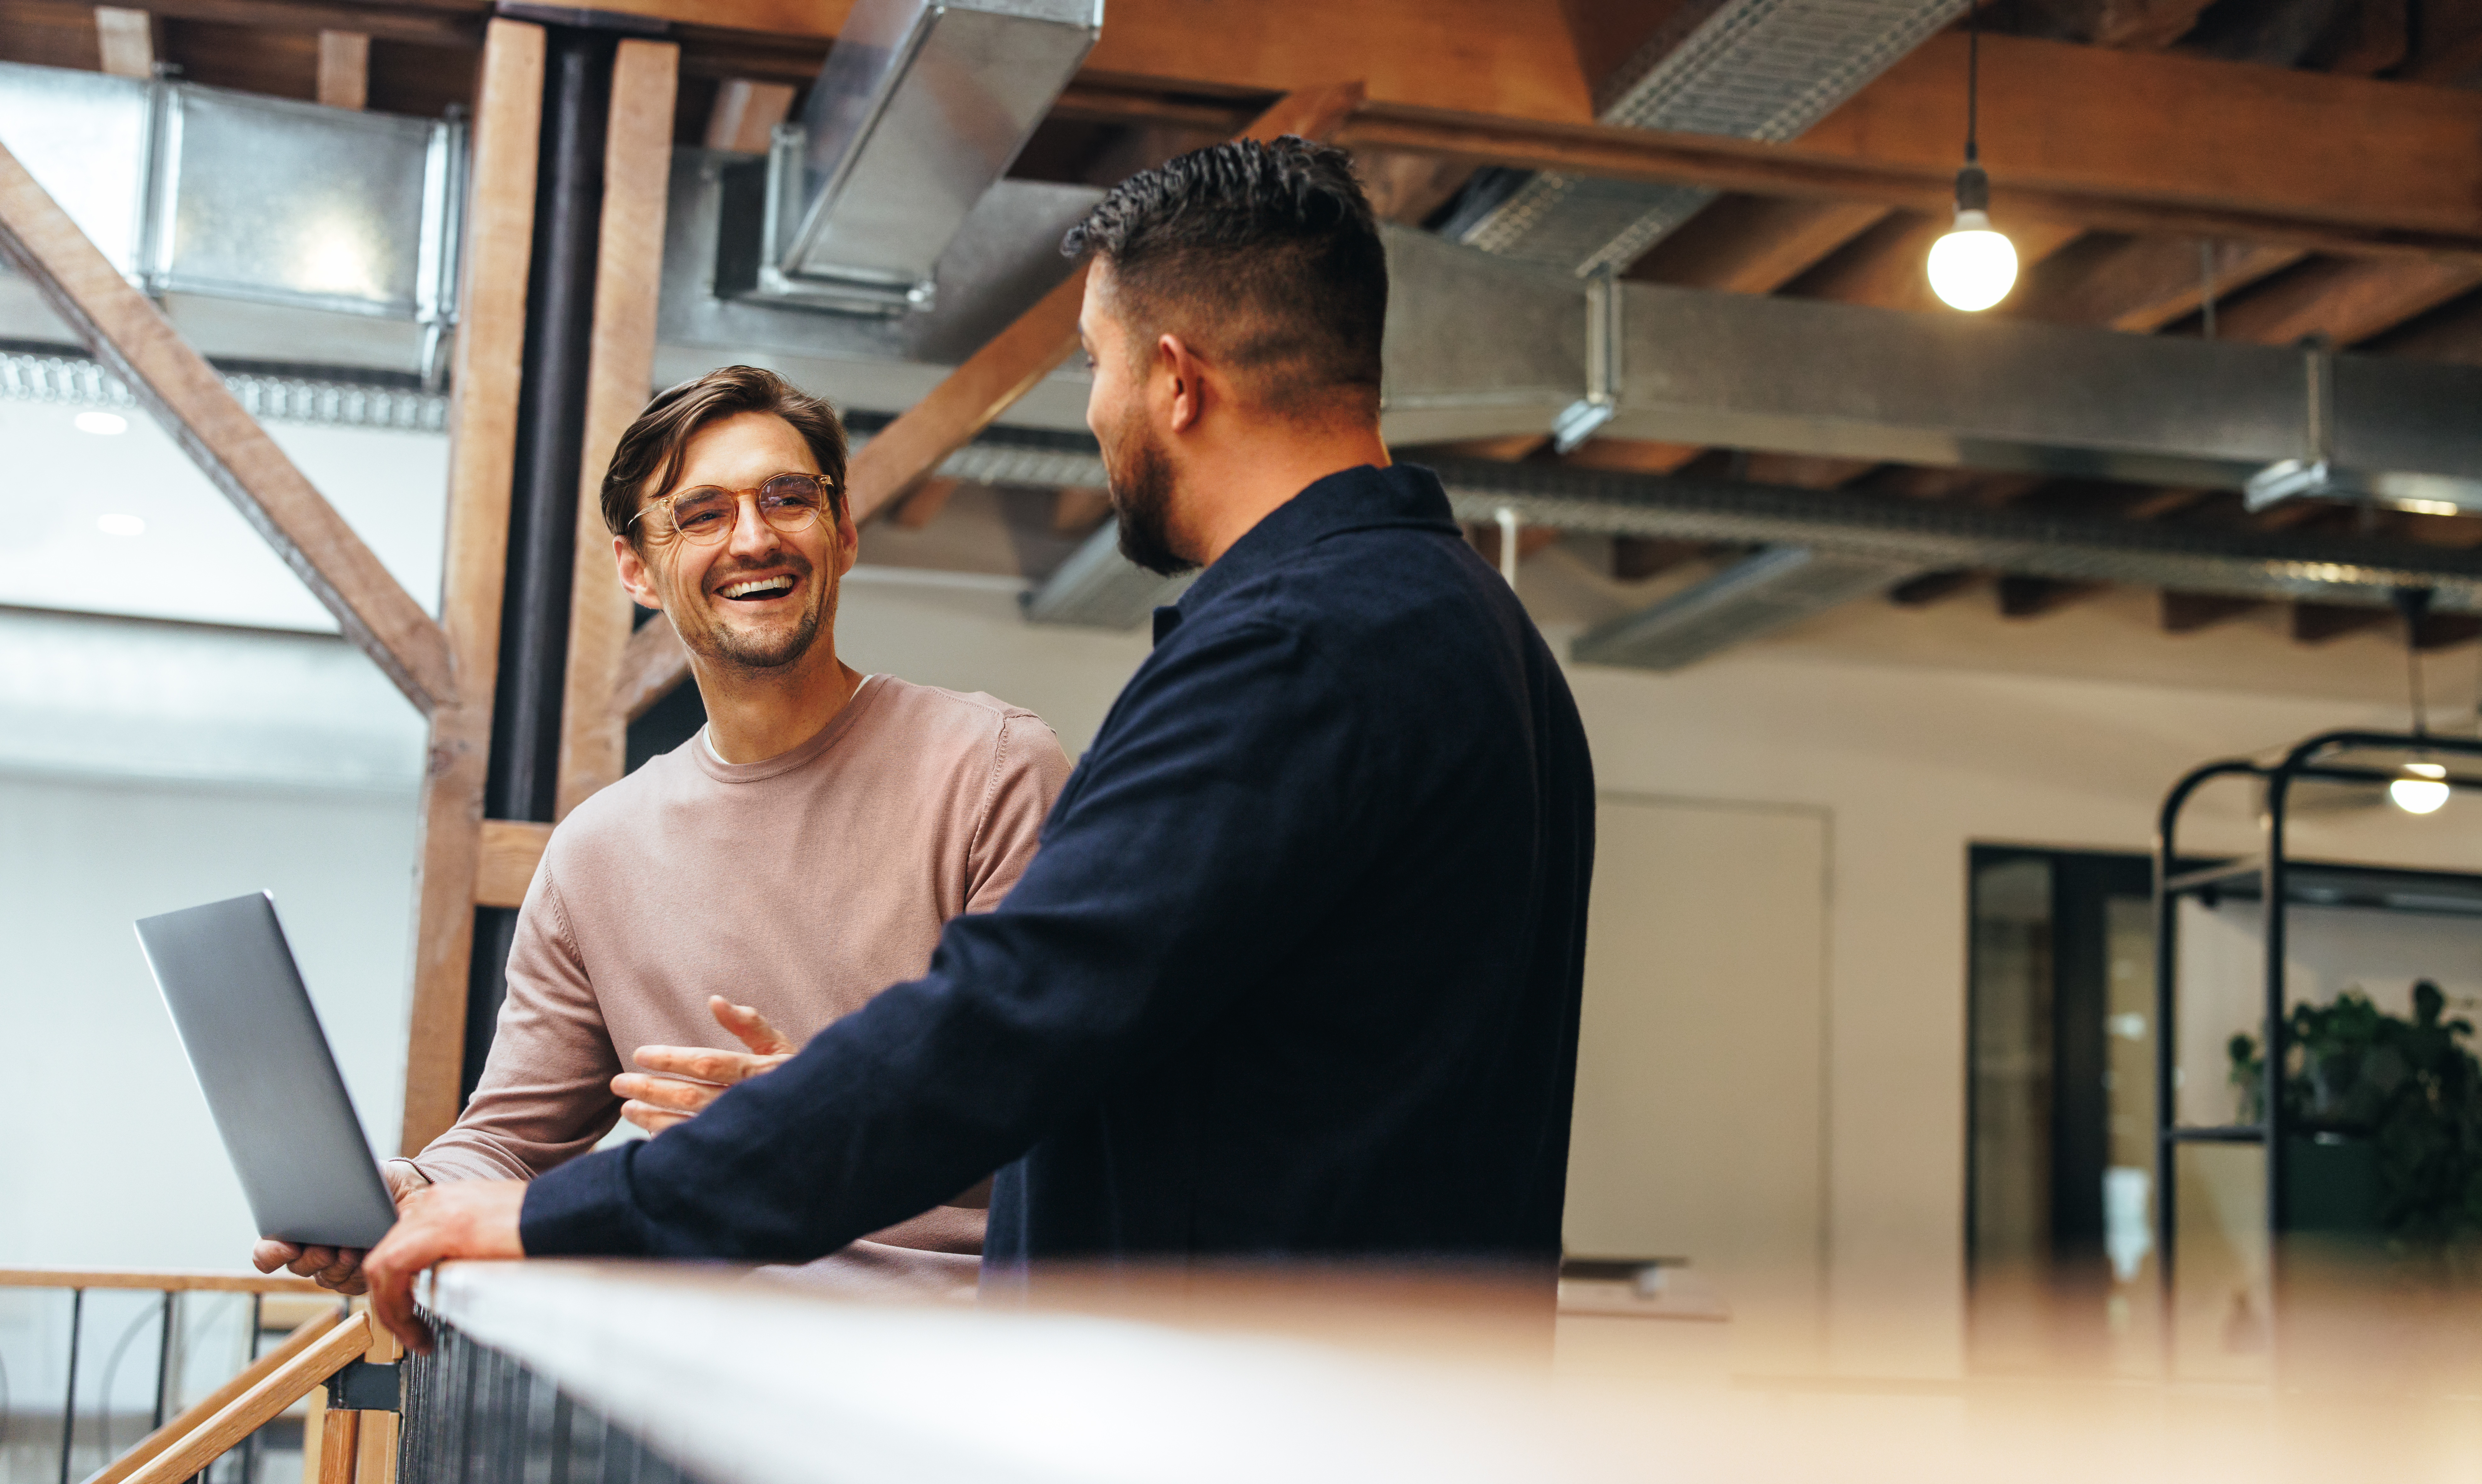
{"x":1973,"y":81}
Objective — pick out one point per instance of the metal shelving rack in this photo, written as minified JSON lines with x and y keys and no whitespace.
{"x":2280,"y":883}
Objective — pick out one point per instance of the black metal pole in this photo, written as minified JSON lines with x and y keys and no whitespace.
{"x":2279,"y":791}
{"x":163,"y":1360}
{"x":68,"y":1390}
{"x":542,"y":517}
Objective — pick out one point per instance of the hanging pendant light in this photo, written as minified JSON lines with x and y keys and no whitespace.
{"x":1974,"y":266}
{"x":2421,"y":790}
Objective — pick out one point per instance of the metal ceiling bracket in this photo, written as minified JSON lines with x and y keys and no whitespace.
{"x":1582,"y":419}
{"x":2313,"y":475}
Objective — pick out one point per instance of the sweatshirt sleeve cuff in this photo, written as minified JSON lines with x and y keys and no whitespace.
{"x":584,"y":1210}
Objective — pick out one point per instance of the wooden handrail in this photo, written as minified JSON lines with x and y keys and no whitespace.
{"x":211,"y":1436}
{"x":161,"y":1280}
{"x":196,"y":1416}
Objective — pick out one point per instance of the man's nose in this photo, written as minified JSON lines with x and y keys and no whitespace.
{"x":752,"y":534}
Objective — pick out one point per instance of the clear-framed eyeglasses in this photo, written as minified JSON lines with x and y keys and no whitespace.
{"x":704,"y":516}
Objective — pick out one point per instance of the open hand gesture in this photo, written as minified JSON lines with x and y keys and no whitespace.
{"x":692,"y":1076}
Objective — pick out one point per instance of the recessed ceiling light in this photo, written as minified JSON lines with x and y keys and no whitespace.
{"x":120,"y":525}
{"x":104,"y":423}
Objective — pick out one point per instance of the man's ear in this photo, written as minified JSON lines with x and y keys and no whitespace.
{"x":1186,"y":382}
{"x":848,"y":538}
{"x":635,"y":576}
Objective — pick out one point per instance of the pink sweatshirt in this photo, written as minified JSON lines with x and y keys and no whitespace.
{"x":802,"y":885}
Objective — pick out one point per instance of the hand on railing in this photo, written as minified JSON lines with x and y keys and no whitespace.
{"x":335,"y":1268}
{"x":463,"y":1219}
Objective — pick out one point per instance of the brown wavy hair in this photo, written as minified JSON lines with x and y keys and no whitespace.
{"x":649,"y":459}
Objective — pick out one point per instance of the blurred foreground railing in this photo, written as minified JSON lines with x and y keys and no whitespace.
{"x":123,"y":1376}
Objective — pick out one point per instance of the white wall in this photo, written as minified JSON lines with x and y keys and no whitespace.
{"x":107,"y":1155}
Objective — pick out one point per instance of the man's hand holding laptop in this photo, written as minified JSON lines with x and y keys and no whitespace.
{"x":472,"y":1209}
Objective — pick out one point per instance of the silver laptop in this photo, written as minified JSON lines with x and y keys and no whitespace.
{"x":254,"y":1042}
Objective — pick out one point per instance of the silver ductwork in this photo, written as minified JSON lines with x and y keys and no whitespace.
{"x":338,"y":227}
{"x":922,"y":106}
{"x":1762,"y":70}
{"x":1481,"y":348}
{"x":1772,"y":588}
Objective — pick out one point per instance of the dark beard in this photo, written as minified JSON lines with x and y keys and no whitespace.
{"x":1141,"y":494}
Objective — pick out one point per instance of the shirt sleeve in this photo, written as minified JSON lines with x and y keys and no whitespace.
{"x":1027,"y":771}
{"x":1194,"y":850}
{"x":545,"y":1096}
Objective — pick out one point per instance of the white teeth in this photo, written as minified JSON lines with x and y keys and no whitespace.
{"x":758,"y":585}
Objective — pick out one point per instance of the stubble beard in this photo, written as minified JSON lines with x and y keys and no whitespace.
{"x":1139,"y":485}
{"x":776,"y":647}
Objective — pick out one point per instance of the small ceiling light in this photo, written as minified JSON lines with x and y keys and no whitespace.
{"x":1973,"y":267}
{"x":104,"y":423}
{"x":2420,"y":794}
{"x":120,"y":525}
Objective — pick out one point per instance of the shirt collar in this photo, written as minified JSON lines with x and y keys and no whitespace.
{"x":1349,"y":500}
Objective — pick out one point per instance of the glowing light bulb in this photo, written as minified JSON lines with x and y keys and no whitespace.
{"x":1972,"y":267}
{"x":105,"y":424}
{"x":120,"y":525}
{"x":2422,"y":795}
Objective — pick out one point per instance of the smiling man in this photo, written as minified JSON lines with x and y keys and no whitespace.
{"x":1297,"y":973}
{"x":800,"y":852}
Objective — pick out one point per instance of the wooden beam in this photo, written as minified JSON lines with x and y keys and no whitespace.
{"x":1637,"y":558}
{"x":422,"y":23}
{"x":506,"y":853}
{"x":125,"y":40}
{"x":1930,"y":588}
{"x":1511,"y":57}
{"x":1635,"y":456}
{"x":262,"y":1403}
{"x":2318,"y":623}
{"x":2347,"y":302}
{"x":2031,"y":597}
{"x":2187,"y":613}
{"x":966,"y":402}
{"x":482,"y":470}
{"x":2144,"y":283}
{"x":1075,"y":512}
{"x":2318,"y":201}
{"x":130,"y":338}
{"x":345,"y":68}
{"x":923,"y":506}
{"x":1754,"y":245}
{"x":620,"y":376}
{"x":746,"y":115}
{"x":194,"y":1416}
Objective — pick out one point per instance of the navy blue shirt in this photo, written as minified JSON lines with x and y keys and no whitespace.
{"x":1296,"y":971}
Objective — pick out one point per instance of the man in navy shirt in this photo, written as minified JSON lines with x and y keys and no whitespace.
{"x":1296,"y":969}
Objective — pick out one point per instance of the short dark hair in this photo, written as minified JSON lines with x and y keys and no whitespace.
{"x":1268,"y":254}
{"x":649,"y":457}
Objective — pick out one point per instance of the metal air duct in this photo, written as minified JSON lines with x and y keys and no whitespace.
{"x":920,"y":109}
{"x":1774,"y":589}
{"x":1763,"y":69}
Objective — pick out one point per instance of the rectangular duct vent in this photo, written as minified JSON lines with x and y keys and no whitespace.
{"x":921,"y":108}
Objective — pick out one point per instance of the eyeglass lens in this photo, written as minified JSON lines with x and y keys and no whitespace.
{"x":788,"y":502}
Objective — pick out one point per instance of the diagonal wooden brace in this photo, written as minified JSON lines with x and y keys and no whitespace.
{"x":210,"y":1437}
{"x":129,"y":336}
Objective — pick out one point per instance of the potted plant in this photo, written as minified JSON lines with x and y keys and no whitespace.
{"x":2384,"y":1118}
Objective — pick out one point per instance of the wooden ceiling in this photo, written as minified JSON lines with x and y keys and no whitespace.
{"x":2362,"y":114}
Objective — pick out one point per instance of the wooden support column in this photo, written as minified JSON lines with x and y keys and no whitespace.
{"x":344,"y":68}
{"x":499,"y":251}
{"x":628,"y":274}
{"x":969,"y":400}
{"x":125,"y":41}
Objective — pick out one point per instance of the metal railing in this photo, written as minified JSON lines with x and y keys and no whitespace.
{"x":477,"y":1416}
